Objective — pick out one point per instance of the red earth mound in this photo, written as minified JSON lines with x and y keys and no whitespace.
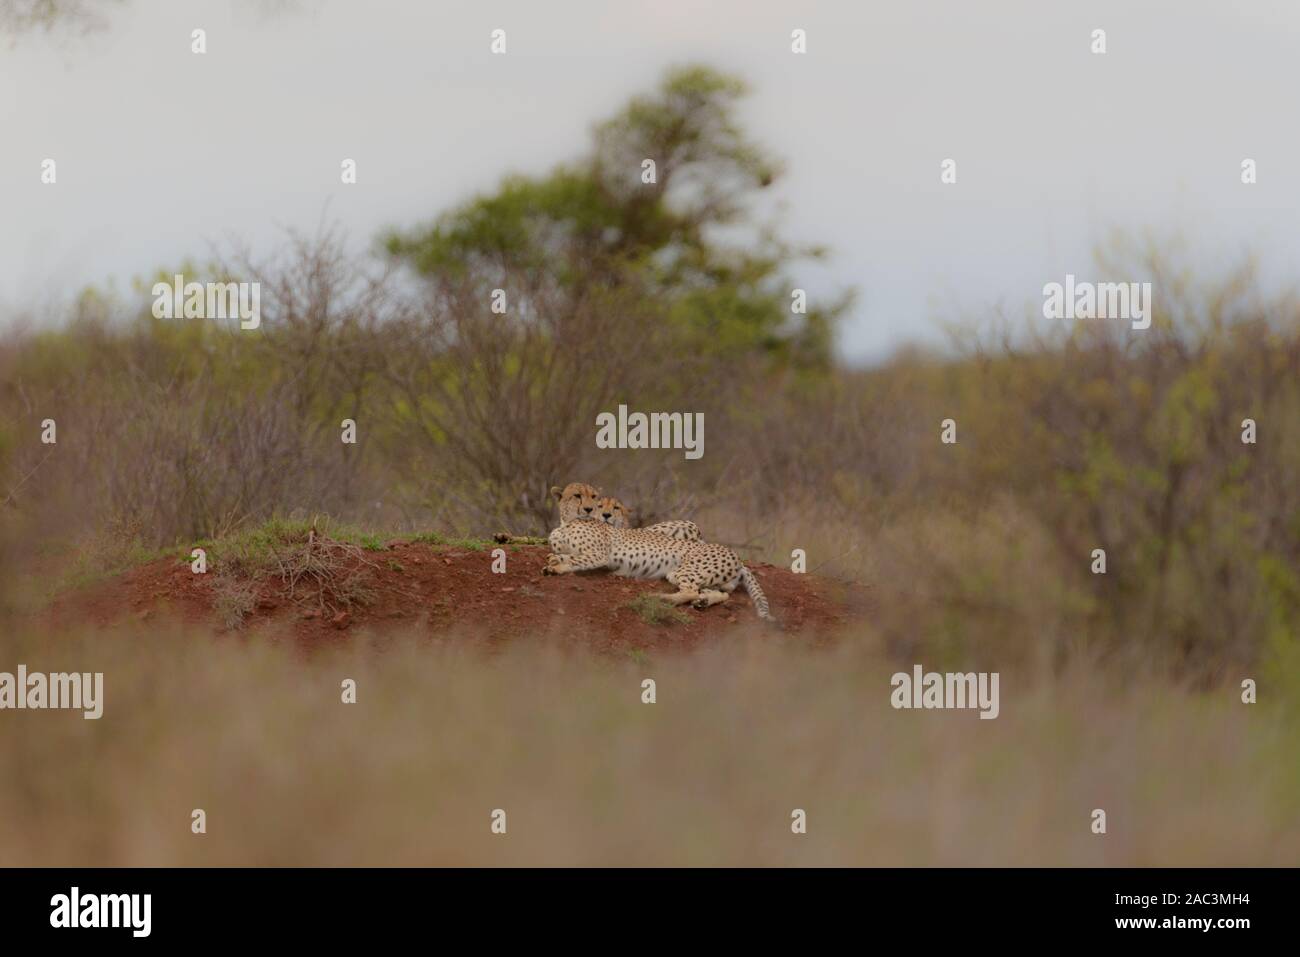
{"x":450,"y":590}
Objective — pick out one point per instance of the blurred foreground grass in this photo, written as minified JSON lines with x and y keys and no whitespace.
{"x":254,"y":732}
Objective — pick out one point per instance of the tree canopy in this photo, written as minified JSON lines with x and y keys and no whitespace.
{"x":597,"y":222}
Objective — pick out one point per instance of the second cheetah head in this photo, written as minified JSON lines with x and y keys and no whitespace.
{"x":613,"y":512}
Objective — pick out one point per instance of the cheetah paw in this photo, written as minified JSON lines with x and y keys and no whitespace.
{"x":700,"y":603}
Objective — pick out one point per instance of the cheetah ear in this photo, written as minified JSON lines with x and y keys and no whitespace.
{"x":556,"y":491}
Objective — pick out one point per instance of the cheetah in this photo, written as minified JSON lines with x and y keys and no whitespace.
{"x":580,"y":500}
{"x":576,"y":500}
{"x":704,"y":573}
{"x":613,"y":512}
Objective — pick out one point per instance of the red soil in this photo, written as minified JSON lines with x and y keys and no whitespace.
{"x":449,"y":590}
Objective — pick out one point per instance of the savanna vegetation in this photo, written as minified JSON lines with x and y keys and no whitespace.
{"x":677,"y":296}
{"x":744,"y":730}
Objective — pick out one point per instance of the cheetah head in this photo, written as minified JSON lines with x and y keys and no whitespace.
{"x":577,"y":500}
{"x":613,"y":512}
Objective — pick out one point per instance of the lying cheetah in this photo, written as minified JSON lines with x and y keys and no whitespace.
{"x":580,"y":500}
{"x":704,"y":573}
{"x":576,"y":500}
{"x":612,"y":512}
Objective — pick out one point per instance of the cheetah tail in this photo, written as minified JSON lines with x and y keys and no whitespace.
{"x":755,"y":590}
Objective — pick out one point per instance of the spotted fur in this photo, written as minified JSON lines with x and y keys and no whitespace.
{"x":580,"y":500}
{"x":679,"y":528}
{"x":613,"y":512}
{"x":704,"y":573}
{"x":577,"y":500}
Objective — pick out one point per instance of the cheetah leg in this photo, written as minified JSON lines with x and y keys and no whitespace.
{"x":572,"y":563}
{"x":709,"y":597}
{"x":559,"y":549}
{"x":685,"y":594}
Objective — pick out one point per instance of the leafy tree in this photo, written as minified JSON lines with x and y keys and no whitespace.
{"x":593,"y":222}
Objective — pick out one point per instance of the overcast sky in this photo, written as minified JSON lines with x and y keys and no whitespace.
{"x":161,"y":152}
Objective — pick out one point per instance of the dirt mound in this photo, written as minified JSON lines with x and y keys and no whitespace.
{"x":449,"y":589}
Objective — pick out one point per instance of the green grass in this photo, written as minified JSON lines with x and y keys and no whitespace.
{"x":254,"y":549}
{"x":247,"y":553}
{"x":655,"y":611}
{"x":433,"y":538}
{"x":94,"y":563}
